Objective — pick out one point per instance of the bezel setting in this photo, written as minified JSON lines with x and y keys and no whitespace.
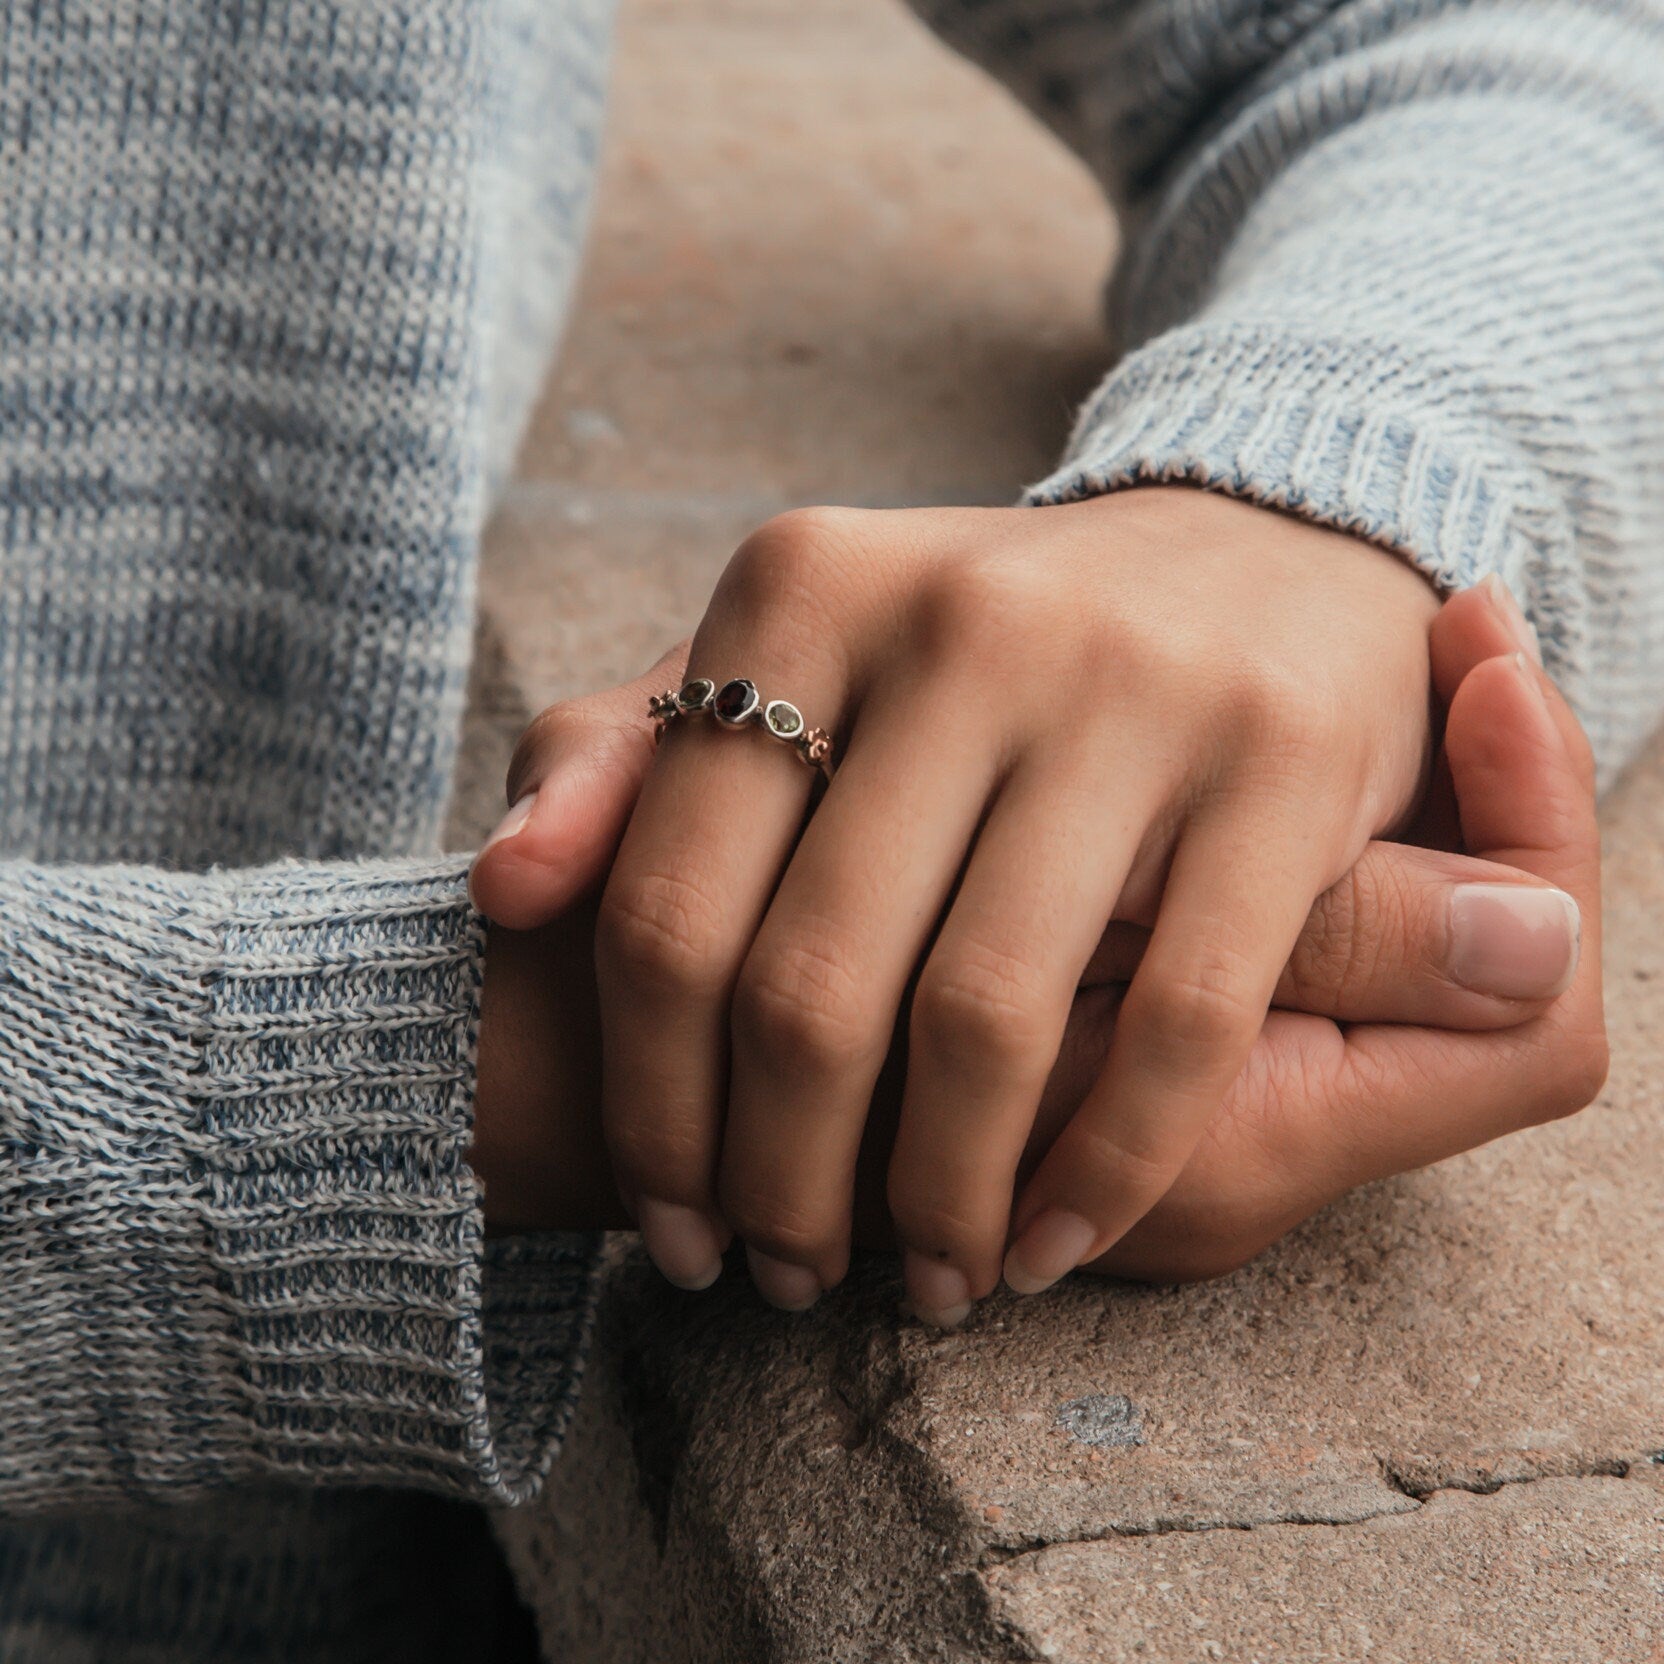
{"x":696,"y":695}
{"x":736,"y":703}
{"x":783,"y":719}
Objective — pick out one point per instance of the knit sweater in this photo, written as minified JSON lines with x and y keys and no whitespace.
{"x":277,"y":279}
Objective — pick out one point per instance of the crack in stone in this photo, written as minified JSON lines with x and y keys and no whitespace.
{"x":1399,"y":1474}
{"x":1003,"y":1554}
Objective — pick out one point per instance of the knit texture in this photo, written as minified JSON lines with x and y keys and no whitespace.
{"x":270,"y":273}
{"x":249,"y":1169}
{"x":277,"y":280}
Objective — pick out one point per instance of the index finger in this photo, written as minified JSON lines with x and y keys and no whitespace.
{"x":1319,"y":1112}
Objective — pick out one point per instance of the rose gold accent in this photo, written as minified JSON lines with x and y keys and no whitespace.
{"x":816,"y":749}
{"x":663,"y":709}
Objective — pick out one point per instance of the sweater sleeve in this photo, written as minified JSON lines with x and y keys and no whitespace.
{"x":1393,"y":265}
{"x":238,"y":1238}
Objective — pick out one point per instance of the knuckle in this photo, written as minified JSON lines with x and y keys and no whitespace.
{"x":661,"y":930}
{"x":816,"y":528}
{"x":555,"y":729}
{"x":612,"y":747}
{"x":665,"y":1157}
{"x":1201,"y":1009}
{"x":1279,"y":712}
{"x":798,"y":1000}
{"x":1343,"y":947}
{"x":985,"y":1002}
{"x":1323,"y":968}
{"x":929,"y":1220}
{"x":1143,"y":1174}
{"x":770,"y":1222}
{"x":782,"y":562}
{"x":978,"y":607}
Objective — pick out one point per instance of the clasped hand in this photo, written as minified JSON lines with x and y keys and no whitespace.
{"x":1111,"y":779}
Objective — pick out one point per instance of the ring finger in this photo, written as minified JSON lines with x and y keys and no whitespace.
{"x":715,"y":824}
{"x":989,"y":1016}
{"x":818,"y":998}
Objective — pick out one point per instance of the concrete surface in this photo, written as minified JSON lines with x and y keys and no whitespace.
{"x":830,"y":263}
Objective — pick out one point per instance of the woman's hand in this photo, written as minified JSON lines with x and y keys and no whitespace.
{"x":1392,"y":942}
{"x":1161,"y":706}
{"x":1325,"y":1106}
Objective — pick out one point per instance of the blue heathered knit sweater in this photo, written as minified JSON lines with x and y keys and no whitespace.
{"x":277,"y":280}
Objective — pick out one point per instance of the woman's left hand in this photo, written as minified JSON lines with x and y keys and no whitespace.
{"x":1160,"y":706}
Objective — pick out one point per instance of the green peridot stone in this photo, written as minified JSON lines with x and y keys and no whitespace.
{"x":783,"y":719}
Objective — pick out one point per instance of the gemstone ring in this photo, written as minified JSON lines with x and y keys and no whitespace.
{"x":737,"y":704}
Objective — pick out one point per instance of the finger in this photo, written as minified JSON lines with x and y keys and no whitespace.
{"x":716,"y":821}
{"x":1524,"y":784}
{"x":819,"y":995}
{"x":1475,"y":624}
{"x":1484,"y":622}
{"x":1319,"y":1112}
{"x":1507,"y":718}
{"x":1188,"y":1023}
{"x":988,"y":1018}
{"x":1413,"y":935}
{"x":572,"y":783}
{"x":1080,"y":1059}
{"x":1525,"y":776}
{"x":1421,"y":937}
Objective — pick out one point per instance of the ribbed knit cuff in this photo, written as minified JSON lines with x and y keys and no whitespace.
{"x":1342,"y":433}
{"x":378,"y":1337}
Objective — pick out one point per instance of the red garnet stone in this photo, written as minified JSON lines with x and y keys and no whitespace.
{"x":735,"y":701}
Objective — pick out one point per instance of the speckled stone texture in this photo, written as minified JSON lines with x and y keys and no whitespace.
{"x":1427,"y":1427}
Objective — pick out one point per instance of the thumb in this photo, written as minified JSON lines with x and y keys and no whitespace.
{"x":1412,"y":935}
{"x":1422,"y":936}
{"x":1447,"y":941}
{"x":573,"y":782}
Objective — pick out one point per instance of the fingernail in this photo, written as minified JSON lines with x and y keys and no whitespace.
{"x":506,"y":828}
{"x":681,"y":1242}
{"x":1513,"y":617}
{"x":1053,"y":1245}
{"x":940,"y":1294}
{"x":1514,"y":941}
{"x":793,"y":1288}
{"x":511,"y":822}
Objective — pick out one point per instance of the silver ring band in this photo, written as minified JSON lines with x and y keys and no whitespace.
{"x":738,"y":704}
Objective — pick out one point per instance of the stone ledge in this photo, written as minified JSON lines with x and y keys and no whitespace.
{"x":1472,"y":1352}
{"x":1559,"y":1570}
